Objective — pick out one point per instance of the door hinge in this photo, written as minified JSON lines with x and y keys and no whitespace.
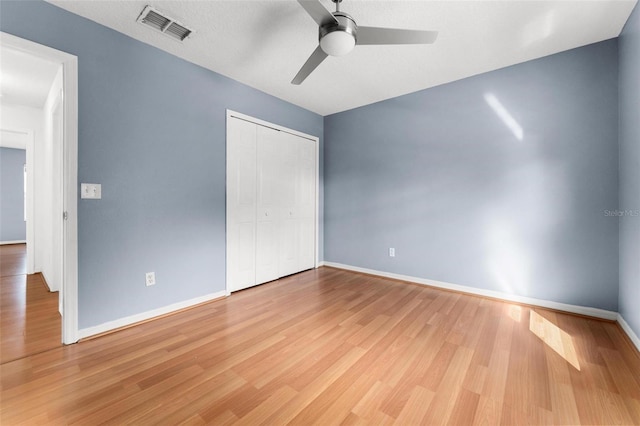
{"x":65,"y":215}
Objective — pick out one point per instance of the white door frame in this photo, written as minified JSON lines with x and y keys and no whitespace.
{"x":31,"y":188}
{"x":70,"y":175}
{"x":316,"y":140}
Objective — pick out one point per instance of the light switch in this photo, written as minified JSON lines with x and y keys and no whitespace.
{"x":92,"y":191}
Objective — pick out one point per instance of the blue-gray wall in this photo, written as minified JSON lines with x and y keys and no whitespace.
{"x":442,"y":176}
{"x":629,"y":43}
{"x":152,"y":132}
{"x":12,"y":224}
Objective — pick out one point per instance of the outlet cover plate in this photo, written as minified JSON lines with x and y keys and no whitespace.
{"x":91,"y":191}
{"x":150,"y":278}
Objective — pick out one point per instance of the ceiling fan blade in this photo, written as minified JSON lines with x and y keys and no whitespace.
{"x":375,"y":35}
{"x":318,"y":12}
{"x":312,"y":63}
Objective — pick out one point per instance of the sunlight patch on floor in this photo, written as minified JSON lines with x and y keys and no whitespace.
{"x":515,"y":312}
{"x":556,"y":338}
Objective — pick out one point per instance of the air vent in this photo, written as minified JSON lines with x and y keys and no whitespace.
{"x":157,"y":20}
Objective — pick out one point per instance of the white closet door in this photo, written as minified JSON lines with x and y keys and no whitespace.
{"x":289,"y":225}
{"x":241,"y":204}
{"x":271,"y":204}
{"x":306,"y":203}
{"x":268,"y":200}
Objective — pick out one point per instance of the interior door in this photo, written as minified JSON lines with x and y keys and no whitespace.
{"x":58,"y":219}
{"x":241,"y":204}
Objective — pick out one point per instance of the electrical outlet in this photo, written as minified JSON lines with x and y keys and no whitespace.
{"x":392,"y":252}
{"x":150,"y":278}
{"x":91,"y":191}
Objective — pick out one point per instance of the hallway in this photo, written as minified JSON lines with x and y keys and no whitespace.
{"x":29,"y":318}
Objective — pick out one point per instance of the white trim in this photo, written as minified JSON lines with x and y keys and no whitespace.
{"x":6,"y":243}
{"x":31,"y":204}
{"x":12,"y":144}
{"x":123,"y":322}
{"x":46,"y":283}
{"x":316,"y":140}
{"x":70,"y":201}
{"x":627,"y":329}
{"x":317,"y":212}
{"x":70,"y":178}
{"x":231,"y":113}
{"x":582,"y":310}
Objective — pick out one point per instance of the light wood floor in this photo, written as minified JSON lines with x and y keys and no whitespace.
{"x":29,"y":318}
{"x":336,"y":347}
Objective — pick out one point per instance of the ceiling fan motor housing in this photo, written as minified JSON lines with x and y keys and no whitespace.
{"x":338,"y":39}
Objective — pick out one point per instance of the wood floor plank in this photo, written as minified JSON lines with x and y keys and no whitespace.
{"x":367,"y":407}
{"x":29,"y":318}
{"x":271,"y":405}
{"x":447,"y":393}
{"x":416,"y":408}
{"x":464,"y":409}
{"x":488,"y":412}
{"x":341,"y":407}
{"x":334,"y":347}
{"x":193,"y":397}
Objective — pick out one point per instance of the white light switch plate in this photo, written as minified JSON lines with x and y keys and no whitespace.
{"x":91,"y":191}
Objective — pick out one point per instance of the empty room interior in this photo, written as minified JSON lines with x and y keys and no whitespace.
{"x":320,"y":212}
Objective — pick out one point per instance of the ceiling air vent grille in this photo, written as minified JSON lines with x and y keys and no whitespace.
{"x":157,"y":20}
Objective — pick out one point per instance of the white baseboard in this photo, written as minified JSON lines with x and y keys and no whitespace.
{"x":582,"y":310}
{"x":123,"y":322}
{"x":2,"y":243}
{"x":627,"y":329}
{"x":47,"y":283}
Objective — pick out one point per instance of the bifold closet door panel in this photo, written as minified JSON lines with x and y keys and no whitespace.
{"x":269,"y":211}
{"x":241,"y":204}
{"x":289,"y":226}
{"x":306,"y":196}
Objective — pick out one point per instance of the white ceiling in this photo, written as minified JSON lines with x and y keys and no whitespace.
{"x":25,"y":79}
{"x":264,"y":43}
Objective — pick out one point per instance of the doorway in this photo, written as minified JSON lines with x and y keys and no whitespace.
{"x":52,"y":242}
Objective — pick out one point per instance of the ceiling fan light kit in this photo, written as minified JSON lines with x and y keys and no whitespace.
{"x":338,"y":39}
{"x":339,"y":34}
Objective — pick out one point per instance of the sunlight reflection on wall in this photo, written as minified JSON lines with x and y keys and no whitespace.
{"x":504,"y":115}
{"x":521,"y":223}
{"x":508,"y":260}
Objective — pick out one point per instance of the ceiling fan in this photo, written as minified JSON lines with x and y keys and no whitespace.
{"x":339,"y":34}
